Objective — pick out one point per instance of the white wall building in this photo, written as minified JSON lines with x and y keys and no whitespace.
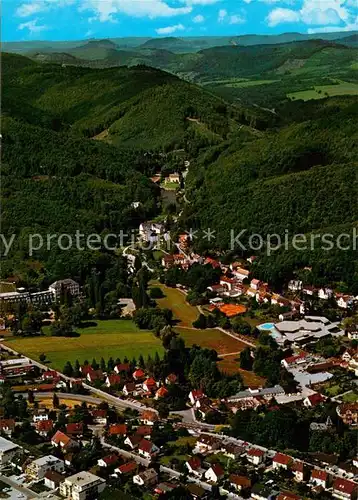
{"x":82,"y":486}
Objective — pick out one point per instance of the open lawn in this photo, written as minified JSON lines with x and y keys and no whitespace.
{"x":322,"y":91}
{"x":350,"y":397}
{"x":116,"y":338}
{"x":174,"y":299}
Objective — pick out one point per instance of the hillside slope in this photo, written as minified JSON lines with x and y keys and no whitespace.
{"x":302,"y":178}
{"x":139,"y":106}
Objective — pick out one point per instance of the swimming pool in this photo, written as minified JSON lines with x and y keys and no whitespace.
{"x":266,"y":326}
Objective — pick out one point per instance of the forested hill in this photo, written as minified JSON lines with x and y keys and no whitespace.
{"x":302,"y":178}
{"x":56,"y":178}
{"x":133,"y":107}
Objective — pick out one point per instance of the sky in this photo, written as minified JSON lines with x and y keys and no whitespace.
{"x":81,"y":19}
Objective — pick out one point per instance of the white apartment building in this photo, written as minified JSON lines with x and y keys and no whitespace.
{"x":82,"y":486}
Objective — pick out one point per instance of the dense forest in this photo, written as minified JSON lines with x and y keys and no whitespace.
{"x":294,"y":170}
{"x":301,"y":178}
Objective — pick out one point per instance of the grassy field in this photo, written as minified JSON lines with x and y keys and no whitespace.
{"x":185,"y":314}
{"x":230,"y":365}
{"x":250,"y":83}
{"x":321,"y":91}
{"x":212,"y":339}
{"x":174,"y":299}
{"x":350,"y":397}
{"x":116,"y":338}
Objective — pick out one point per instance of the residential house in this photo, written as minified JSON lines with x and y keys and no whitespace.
{"x":113,"y":380}
{"x":53,"y":479}
{"x":147,"y":449}
{"x":122,"y":368}
{"x":146,"y":478}
{"x":126,"y":468}
{"x":197,"y":492}
{"x":149,"y":417}
{"x":232,"y":450}
{"x":49,"y":375}
{"x":38,"y":468}
{"x":75,"y":429}
{"x":344,"y":301}
{"x":319,"y":478}
{"x":194,"y":467}
{"x":214,"y":263}
{"x":139,"y":374}
{"x":344,"y":489}
{"x":174,"y":178}
{"x":240,"y":273}
{"x":99,"y":417}
{"x":82,"y":486}
{"x":133,"y":441}
{"x":309,"y":290}
{"x":86,"y":369}
{"x":63,"y":441}
{"x":95,"y":376}
{"x":162,"y":392}
{"x":40,"y":415}
{"x":348,"y":355}
{"x":292,"y":361}
{"x":195,"y":395}
{"x":348,"y":412}
{"x":281,"y":461}
{"x":129,"y":388}
{"x":163,"y":488}
{"x":314,"y":400}
{"x":352,"y":332}
{"x":44,"y":428}
{"x":7,"y":426}
{"x":299,"y":470}
{"x":325,"y":293}
{"x":255,"y":284}
{"x":295,"y":285}
{"x":208,"y":443}
{"x":108,"y":461}
{"x":149,"y":385}
{"x":227,"y":283}
{"x":145,"y":431}
{"x":215,"y":473}
{"x":240,"y":483}
{"x":117,"y":430}
{"x":255,"y":456}
{"x":171,"y":379}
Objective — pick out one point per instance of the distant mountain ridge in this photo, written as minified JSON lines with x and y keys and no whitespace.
{"x":186,"y":44}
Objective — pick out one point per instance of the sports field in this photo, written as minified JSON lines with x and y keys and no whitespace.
{"x":116,"y":338}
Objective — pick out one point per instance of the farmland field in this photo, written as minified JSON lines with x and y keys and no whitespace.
{"x":211,"y":339}
{"x":116,"y":338}
{"x":319,"y":92}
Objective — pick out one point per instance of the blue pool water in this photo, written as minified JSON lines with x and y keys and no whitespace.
{"x":266,"y":326}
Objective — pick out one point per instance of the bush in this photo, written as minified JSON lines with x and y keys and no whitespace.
{"x":156,"y":293}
